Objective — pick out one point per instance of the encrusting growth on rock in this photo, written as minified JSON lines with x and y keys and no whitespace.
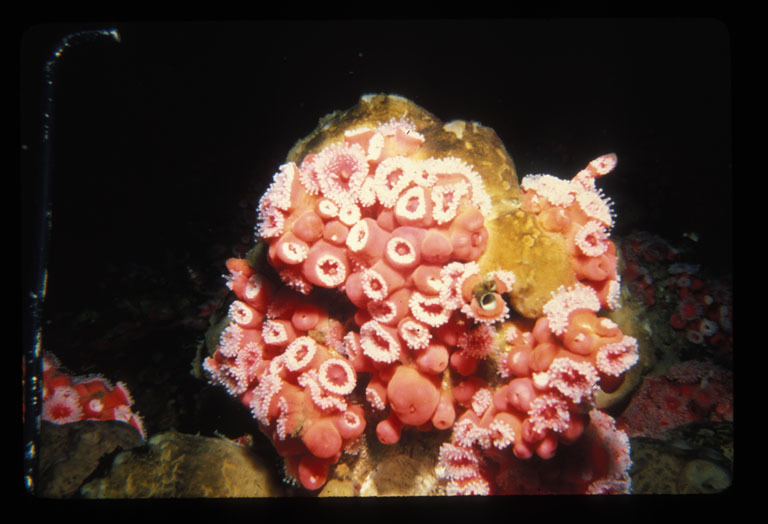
{"x":435,"y":253}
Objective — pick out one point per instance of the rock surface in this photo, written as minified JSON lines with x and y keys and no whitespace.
{"x":70,"y":453}
{"x":176,"y":465}
{"x":695,"y":458}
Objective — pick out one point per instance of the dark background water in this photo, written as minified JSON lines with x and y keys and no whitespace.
{"x":158,"y":137}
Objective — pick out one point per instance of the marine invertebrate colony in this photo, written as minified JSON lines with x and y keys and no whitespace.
{"x":68,"y":398}
{"x":390,"y":305}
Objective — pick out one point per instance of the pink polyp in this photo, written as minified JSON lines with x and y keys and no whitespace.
{"x":337,"y":376}
{"x":360,"y":136}
{"x":598,"y":268}
{"x":412,"y":396}
{"x":433,"y":360}
{"x":361,"y":316}
{"x":522,"y":450}
{"x":547,"y":447}
{"x":512,"y":427}
{"x":326,"y":265}
{"x":349,"y":214}
{"x":602,"y":165}
{"x":469,"y":219}
{"x":573,"y":379}
{"x":257,"y":291}
{"x":469,"y":245}
{"x":581,"y":338}
{"x":549,"y":411}
{"x":376,"y":393}
{"x":391,"y":277}
{"x":290,"y":249}
{"x":591,"y":239}
{"x":306,"y":317}
{"x":429,"y":309}
{"x":379,"y":343}
{"x":391,"y":177}
{"x":367,"y":239}
{"x":463,"y":363}
{"x":414,"y":207}
{"x":543,"y":355}
{"x":446,"y":199}
{"x":467,"y":234}
{"x":308,"y":174}
{"x":386,"y":220}
{"x":617,"y":357}
{"x":367,"y":196}
{"x":575,"y":428}
{"x":541,"y":332}
{"x":415,"y":334}
{"x":426,"y":278}
{"x":354,"y":289}
{"x":335,"y":232}
{"x":445,"y":414}
{"x":300,"y":353}
{"x":554,"y":219}
{"x":245,"y":315}
{"x":520,"y":393}
{"x":351,"y":423}
{"x":391,"y":310}
{"x":402,"y":250}
{"x":436,"y":248}
{"x":271,"y":221}
{"x":278,"y":332}
{"x":312,"y":471}
{"x":373,"y":285}
{"x":326,"y":209}
{"x":341,"y":170}
{"x":389,"y":429}
{"x":308,"y":227}
{"x":466,"y":389}
{"x":407,"y":142}
{"x":321,"y":438}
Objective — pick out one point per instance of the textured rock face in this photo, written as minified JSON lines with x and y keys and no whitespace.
{"x":176,"y":465}
{"x":694,"y":458}
{"x":515,"y":240}
{"x":70,"y":453}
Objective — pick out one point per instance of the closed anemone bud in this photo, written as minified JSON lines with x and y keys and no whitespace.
{"x":308,"y":227}
{"x":335,"y":232}
{"x":306,"y":317}
{"x":436,"y":248}
{"x":239,"y":266}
